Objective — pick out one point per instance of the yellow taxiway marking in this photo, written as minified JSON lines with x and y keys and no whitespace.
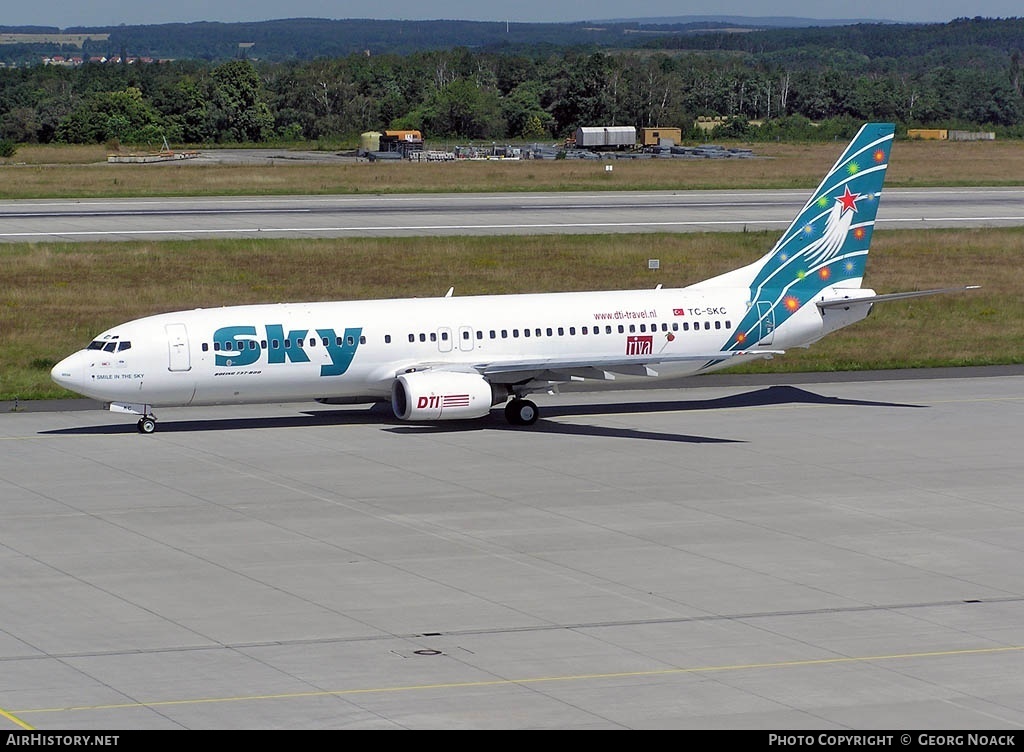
{"x":12,"y":715}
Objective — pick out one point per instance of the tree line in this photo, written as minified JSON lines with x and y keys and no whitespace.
{"x":458,"y":93}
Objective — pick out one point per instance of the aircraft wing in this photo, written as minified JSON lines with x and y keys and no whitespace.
{"x":575,"y":369}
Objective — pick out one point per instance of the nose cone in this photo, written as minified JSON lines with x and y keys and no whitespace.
{"x":68,"y":373}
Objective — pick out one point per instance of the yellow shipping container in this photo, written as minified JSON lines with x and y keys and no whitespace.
{"x":933,"y":134}
{"x":405,"y":135}
{"x":653,"y":136}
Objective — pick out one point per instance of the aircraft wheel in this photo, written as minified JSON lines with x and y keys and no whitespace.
{"x":147,"y":424}
{"x":521,"y":412}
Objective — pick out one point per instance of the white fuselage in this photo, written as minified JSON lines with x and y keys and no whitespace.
{"x":354,"y":350}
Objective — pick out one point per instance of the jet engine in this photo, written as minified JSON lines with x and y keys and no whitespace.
{"x":442,"y":395}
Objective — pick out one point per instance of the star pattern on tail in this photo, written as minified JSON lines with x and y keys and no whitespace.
{"x":837,"y":226}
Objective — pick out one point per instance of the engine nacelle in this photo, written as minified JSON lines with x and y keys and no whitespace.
{"x":441,"y":395}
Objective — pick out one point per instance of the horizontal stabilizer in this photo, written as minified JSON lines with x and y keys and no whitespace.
{"x":846,"y":302}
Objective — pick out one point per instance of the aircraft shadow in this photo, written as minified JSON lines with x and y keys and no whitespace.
{"x":772,"y":395}
{"x":327,"y":417}
{"x":494,"y":422}
{"x":381,"y":415}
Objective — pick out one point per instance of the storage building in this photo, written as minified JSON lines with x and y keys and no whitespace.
{"x":606,"y":137}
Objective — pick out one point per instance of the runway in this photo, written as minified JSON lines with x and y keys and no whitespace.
{"x":775,"y":554}
{"x":479,"y":214}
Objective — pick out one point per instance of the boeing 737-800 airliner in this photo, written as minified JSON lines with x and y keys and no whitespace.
{"x":457,"y":357}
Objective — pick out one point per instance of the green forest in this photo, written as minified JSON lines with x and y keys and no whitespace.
{"x":793,"y":84}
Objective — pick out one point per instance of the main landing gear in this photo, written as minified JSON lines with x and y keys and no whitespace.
{"x":146,"y":424}
{"x":521,"y":412}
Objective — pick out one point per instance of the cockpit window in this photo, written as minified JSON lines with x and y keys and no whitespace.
{"x":110,"y":346}
{"x":95,"y":345}
{"x":126,"y":345}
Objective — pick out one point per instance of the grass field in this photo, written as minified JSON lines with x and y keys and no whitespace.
{"x":55,"y":297}
{"x":82,"y":172}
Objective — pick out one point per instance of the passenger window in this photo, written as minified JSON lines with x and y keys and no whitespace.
{"x":350,"y":341}
{"x":412,"y":337}
{"x":718,"y":325}
{"x":526,"y":332}
{"x":216,"y":346}
{"x":263,"y":344}
{"x":433,"y":336}
{"x":572,"y":331}
{"x":423,"y":337}
{"x":387,"y":339}
{"x":550,"y":332}
{"x":621,"y":329}
{"x":276,"y":344}
{"x":561,"y":331}
{"x":362,"y":339}
{"x":206,"y":346}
